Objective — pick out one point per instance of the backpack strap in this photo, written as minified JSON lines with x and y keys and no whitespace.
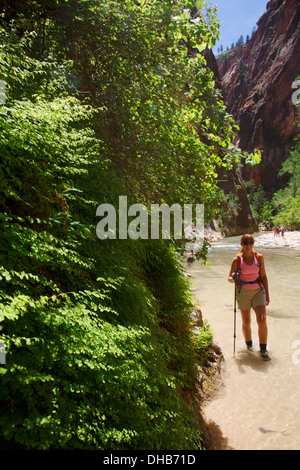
{"x":259,"y":275}
{"x":238,"y":258}
{"x":238,"y":271}
{"x":256,"y":256}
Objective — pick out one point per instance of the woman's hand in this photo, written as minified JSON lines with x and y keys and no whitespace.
{"x":232,"y":272}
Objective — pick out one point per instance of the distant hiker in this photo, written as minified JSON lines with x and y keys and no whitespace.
{"x":248,"y":273}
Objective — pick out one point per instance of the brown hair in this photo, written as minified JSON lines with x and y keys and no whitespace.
{"x":247,"y":237}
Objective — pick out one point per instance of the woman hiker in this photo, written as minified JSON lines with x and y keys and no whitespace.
{"x":248,"y":272}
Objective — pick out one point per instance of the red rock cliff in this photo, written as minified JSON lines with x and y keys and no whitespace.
{"x":257,"y":83}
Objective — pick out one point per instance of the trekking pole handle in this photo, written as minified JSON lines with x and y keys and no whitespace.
{"x":236,"y":276}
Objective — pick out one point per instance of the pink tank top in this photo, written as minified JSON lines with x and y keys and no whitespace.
{"x":249,"y":273}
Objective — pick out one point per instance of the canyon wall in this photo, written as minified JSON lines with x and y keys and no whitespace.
{"x":237,"y":216}
{"x":257,"y":80}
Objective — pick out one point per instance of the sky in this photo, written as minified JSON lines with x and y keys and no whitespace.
{"x":237,"y":17}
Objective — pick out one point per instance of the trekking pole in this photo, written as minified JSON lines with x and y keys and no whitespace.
{"x":237,"y":273}
{"x":234,"y":321}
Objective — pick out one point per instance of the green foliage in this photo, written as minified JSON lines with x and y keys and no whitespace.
{"x":98,"y":334}
{"x":283,"y":208}
{"x":252,"y":159}
{"x":203,"y":340}
{"x":289,"y":214}
{"x":286,"y":201}
{"x":257,"y":200}
{"x":267,"y":212}
{"x":74,"y":382}
{"x":291,"y":166}
{"x":153,"y":100}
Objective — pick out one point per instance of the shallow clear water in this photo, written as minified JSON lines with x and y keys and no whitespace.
{"x":258,"y":404}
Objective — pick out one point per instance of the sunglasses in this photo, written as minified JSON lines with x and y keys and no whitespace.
{"x":246,"y":242}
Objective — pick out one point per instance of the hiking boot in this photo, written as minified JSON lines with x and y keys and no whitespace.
{"x":265,"y":355}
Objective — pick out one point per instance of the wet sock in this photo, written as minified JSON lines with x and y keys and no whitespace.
{"x":249,"y":344}
{"x":263,"y":347}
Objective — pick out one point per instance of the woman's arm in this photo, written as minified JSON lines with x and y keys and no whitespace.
{"x":264,"y":278}
{"x":232,"y":269}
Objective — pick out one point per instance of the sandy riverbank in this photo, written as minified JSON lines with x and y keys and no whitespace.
{"x":268,"y":240}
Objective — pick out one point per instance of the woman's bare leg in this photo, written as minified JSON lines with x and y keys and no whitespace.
{"x":246,"y":324}
{"x":261,"y":318}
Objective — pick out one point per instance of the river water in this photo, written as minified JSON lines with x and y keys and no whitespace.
{"x":257,"y":406}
